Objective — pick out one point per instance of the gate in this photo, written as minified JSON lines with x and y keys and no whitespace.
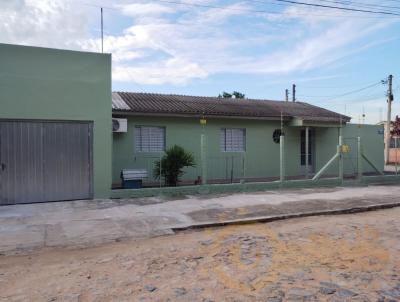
{"x":45,"y":161}
{"x":350,"y":158}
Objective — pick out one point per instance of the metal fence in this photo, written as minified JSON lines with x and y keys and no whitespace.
{"x":225,"y":169}
{"x":191,"y":175}
{"x":287,"y":160}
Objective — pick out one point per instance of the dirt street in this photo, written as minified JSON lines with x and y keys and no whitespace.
{"x":334,"y":258}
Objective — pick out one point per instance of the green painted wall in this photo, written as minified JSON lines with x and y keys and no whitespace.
{"x":371,"y":140}
{"x":51,"y":84}
{"x":261,"y":158}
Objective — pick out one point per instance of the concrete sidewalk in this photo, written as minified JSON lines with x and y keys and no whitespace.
{"x":87,"y":223}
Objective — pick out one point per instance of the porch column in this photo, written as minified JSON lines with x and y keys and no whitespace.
{"x":340,"y":154}
{"x":359,"y":160}
{"x":282,"y":158}
{"x":395,"y":149}
{"x":307,"y":149}
{"x":203,"y":155}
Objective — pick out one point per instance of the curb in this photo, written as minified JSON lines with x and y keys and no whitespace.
{"x":288,"y":216}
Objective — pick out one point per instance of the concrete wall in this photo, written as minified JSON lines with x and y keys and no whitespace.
{"x":252,"y":187}
{"x":261,"y":159}
{"x":371,"y":141}
{"x":50,"y":84}
{"x":394,"y":155}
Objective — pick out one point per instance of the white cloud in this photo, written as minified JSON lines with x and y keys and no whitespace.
{"x":48,"y":23}
{"x":172,"y":71}
{"x":167,"y":43}
{"x":145,"y":9}
{"x":318,"y":50}
{"x":126,"y":55}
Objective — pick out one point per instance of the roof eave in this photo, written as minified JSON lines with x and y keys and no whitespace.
{"x":317,"y":122}
{"x":197,"y":115}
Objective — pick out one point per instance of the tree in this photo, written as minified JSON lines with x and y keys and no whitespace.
{"x":225,"y":95}
{"x":172,"y":164}
{"x":236,"y":94}
{"x":396,"y":127}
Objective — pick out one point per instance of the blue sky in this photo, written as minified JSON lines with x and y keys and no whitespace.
{"x":257,"y":47}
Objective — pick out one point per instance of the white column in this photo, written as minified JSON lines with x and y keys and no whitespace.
{"x":307,"y":149}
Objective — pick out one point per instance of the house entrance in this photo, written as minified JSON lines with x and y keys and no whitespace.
{"x":310,"y":165}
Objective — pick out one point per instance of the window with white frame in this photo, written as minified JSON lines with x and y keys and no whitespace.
{"x":149,"y":139}
{"x":233,"y":140}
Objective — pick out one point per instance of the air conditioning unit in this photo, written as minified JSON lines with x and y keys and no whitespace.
{"x":119,"y":125}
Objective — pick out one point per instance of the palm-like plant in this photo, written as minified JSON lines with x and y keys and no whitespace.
{"x":172,"y":164}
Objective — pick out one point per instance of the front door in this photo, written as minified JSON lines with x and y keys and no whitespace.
{"x":311,"y":151}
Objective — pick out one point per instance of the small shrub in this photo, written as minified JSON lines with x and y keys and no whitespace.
{"x":172,"y":163}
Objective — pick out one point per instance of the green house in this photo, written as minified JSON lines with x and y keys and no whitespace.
{"x":55,"y":121}
{"x":241,"y":137}
{"x":57,"y":143}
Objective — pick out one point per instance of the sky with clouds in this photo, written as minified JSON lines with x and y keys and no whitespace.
{"x":204,"y":47}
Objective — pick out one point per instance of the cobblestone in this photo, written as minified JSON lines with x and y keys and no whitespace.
{"x":334,"y":258}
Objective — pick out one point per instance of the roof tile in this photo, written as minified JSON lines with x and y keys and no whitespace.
{"x":171,"y":104}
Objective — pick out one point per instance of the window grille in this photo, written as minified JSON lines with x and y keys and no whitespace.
{"x":233,"y":140}
{"x":149,"y":139}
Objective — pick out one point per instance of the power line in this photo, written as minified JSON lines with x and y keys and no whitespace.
{"x":345,"y":85}
{"x":118,"y":10}
{"x":365,"y":98}
{"x":345,"y":3}
{"x":285,"y":1}
{"x":210,"y":6}
{"x":332,"y":97}
{"x":397,"y":1}
{"x":335,"y":7}
{"x":95,"y":5}
{"x":355,"y":91}
{"x":362,"y":4}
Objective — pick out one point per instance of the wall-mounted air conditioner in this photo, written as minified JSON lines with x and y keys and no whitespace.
{"x":119,"y":125}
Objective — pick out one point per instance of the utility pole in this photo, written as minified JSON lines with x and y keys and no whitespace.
{"x":101,"y":25}
{"x":294,"y":93}
{"x":287,"y":95}
{"x":389,"y":118}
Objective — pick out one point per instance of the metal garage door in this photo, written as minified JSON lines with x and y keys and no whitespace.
{"x":45,"y":161}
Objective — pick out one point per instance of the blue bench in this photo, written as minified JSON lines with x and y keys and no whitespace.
{"x":133,"y":178}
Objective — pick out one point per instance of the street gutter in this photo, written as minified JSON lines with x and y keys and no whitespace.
{"x":265,"y":219}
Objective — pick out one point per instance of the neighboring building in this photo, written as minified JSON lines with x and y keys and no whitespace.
{"x":55,"y":121}
{"x":394,"y":148}
{"x":242,"y":135}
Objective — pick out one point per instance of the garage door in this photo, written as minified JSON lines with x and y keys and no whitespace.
{"x":45,"y":161}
